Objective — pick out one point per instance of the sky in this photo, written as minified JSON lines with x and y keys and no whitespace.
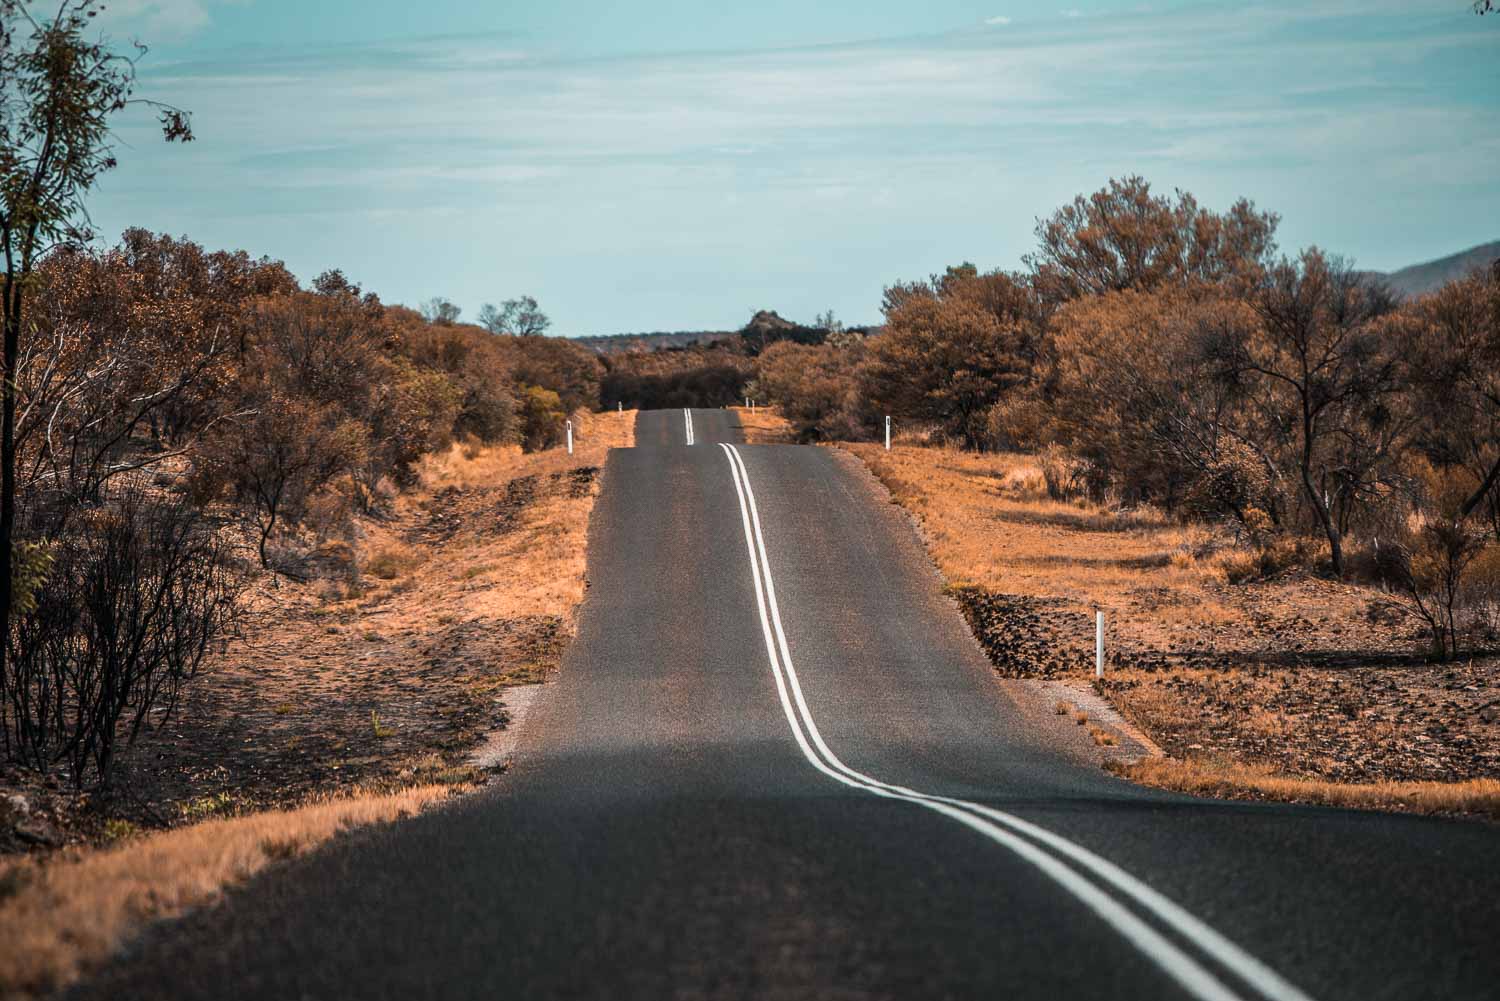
{"x":677,"y":165}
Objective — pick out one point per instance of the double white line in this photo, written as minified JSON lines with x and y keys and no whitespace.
{"x":1048,"y":852}
{"x":687,"y":420}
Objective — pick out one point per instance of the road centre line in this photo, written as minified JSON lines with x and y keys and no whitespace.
{"x":687,"y":420}
{"x":1002,"y":827}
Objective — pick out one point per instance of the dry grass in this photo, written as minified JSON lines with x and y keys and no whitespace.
{"x":539,"y":568}
{"x":764,"y":426}
{"x":1234,"y":780}
{"x":988,"y":521}
{"x":393,"y":560}
{"x":465,"y":465}
{"x":60,"y":917}
{"x":1210,"y":650}
{"x":1164,"y":586}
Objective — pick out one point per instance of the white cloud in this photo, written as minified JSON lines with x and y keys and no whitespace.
{"x":998,"y":20}
{"x":159,"y":19}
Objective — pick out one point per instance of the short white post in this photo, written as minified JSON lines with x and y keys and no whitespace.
{"x":570,"y":437}
{"x":621,"y":405}
{"x":888,"y":433}
{"x":747,"y":403}
{"x":1098,"y":644}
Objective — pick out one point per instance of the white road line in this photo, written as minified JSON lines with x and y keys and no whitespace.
{"x":687,"y":420}
{"x":998,"y":825}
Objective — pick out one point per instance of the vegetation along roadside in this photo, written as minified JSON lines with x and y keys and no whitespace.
{"x":1277,"y":475}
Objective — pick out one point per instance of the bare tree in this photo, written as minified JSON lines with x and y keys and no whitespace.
{"x":441,"y":312}
{"x":514,"y":318}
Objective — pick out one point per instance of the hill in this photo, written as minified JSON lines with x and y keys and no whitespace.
{"x":1419,"y":279}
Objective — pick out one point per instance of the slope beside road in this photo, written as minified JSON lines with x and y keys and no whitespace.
{"x":776,"y":765}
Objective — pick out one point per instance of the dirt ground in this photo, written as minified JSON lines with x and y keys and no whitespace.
{"x":384,"y":669}
{"x":1299,"y":675}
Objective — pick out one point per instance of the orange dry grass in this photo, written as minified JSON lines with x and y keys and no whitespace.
{"x":765,"y":426}
{"x":492,"y":465}
{"x":74,"y":911}
{"x":988,"y":521}
{"x":1244,"y":781}
{"x":538,"y":569}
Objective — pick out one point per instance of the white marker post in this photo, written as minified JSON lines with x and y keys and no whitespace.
{"x":621,"y":405}
{"x":888,"y":432}
{"x":1098,"y":644}
{"x":570,"y":437}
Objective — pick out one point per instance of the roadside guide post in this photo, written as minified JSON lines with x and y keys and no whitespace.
{"x":570,"y":437}
{"x":1098,"y":644}
{"x":887,"y":432}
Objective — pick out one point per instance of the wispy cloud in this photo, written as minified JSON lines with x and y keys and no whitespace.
{"x":160,"y":19}
{"x":999,"y":19}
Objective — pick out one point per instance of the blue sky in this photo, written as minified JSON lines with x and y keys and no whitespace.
{"x":677,"y":165}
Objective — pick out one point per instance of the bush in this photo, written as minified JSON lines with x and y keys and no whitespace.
{"x":134,"y":599}
{"x":818,"y":388}
{"x":542,"y":418}
{"x":1270,"y":556}
{"x":1062,"y":473}
{"x":1433,"y":563}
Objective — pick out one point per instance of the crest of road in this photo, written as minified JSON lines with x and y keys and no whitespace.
{"x":776,"y":765}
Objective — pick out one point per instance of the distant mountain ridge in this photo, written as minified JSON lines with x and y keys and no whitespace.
{"x":1419,"y":279}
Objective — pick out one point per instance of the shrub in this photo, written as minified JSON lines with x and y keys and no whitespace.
{"x":1433,"y":563}
{"x":1062,"y":473}
{"x":137,"y":594}
{"x":542,"y":418}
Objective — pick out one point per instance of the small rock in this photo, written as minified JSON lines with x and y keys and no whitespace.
{"x":38,"y":831}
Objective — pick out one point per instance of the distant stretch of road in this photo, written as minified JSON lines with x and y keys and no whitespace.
{"x":777,"y":766}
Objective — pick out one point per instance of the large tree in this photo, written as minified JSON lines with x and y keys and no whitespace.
{"x":1325,"y":374}
{"x":1124,"y":237}
{"x":59,"y":89}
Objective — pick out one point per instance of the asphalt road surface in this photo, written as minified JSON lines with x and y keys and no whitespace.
{"x":777,"y":766}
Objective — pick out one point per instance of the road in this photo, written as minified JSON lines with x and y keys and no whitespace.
{"x":824,"y":796}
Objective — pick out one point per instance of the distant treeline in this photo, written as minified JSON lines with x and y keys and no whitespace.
{"x":712,"y":374}
{"x":608,"y":344}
